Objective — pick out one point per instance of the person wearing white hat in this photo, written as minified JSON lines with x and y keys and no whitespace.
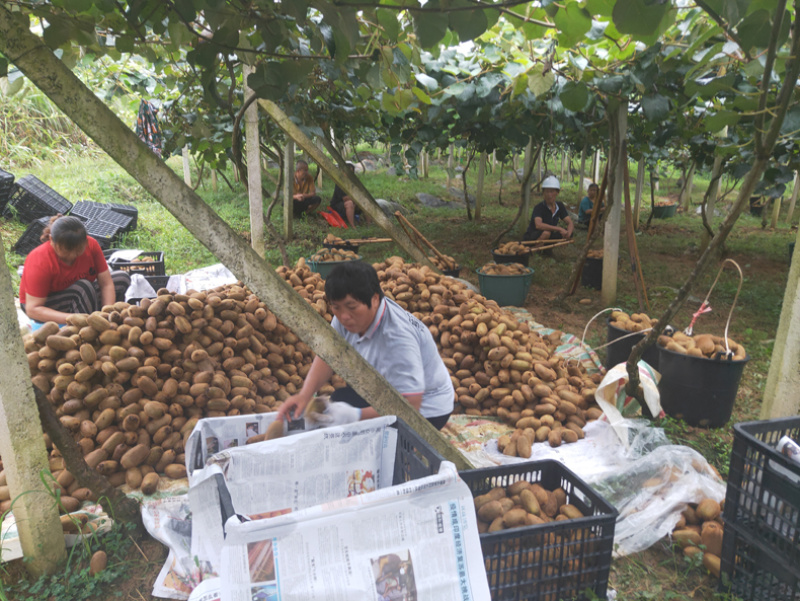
{"x":548,"y":214}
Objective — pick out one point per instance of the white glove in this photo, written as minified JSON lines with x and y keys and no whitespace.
{"x":335,"y":414}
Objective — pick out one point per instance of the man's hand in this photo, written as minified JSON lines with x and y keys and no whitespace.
{"x":293,"y":407}
{"x":335,"y":414}
{"x":298,"y":196}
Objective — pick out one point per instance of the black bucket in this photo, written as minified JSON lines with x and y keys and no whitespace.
{"x":698,"y":390}
{"x":592,"y":274}
{"x":521,"y":259}
{"x":620,"y":351}
{"x":452,"y":273}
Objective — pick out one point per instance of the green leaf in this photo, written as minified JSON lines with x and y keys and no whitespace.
{"x":430,"y":26}
{"x":611,"y":84}
{"x":655,"y":107}
{"x":639,"y":17}
{"x":124,"y":43}
{"x":427,"y":81}
{"x":388,"y":20}
{"x":3,"y":66}
{"x":469,"y":24}
{"x":79,"y":6}
{"x":603,"y":8}
{"x":540,"y":83}
{"x":714,"y":123}
{"x":185,"y":9}
{"x":573,"y":22}
{"x":755,"y":30}
{"x":574,"y":96}
{"x":57,"y":33}
{"x":422,"y":96}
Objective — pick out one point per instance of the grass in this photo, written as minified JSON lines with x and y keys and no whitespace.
{"x":668,"y":249}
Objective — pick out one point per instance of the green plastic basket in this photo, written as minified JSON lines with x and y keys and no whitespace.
{"x":506,"y":290}
{"x":324,"y":268}
{"x":664,"y":212}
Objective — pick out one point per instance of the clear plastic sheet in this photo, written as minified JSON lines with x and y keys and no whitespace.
{"x":648,"y":479}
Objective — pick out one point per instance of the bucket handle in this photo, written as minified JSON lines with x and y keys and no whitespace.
{"x":706,"y":308}
{"x":602,"y":346}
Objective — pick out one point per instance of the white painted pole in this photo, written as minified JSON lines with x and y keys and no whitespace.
{"x":288,"y":190}
{"x":22,"y":445}
{"x":793,"y":201}
{"x":479,"y":193}
{"x":187,"y":174}
{"x":254,"y":170}
{"x":637,"y":207}
{"x":608,"y":294}
{"x":783,"y":380}
{"x":526,"y":193}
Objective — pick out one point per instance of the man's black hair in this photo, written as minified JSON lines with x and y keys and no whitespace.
{"x":300,"y":162}
{"x":593,"y":185}
{"x":358,"y":279}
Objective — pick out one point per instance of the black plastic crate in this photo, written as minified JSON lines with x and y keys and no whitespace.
{"x":556,"y":561}
{"x":763,"y":495}
{"x":156,"y":281}
{"x":147,"y":263}
{"x":751,"y":571}
{"x":105,"y":233}
{"x":126,"y":210}
{"x":31,"y":200}
{"x":415,"y":458}
{"x":85,"y":210}
{"x":6,"y":187}
{"x":30,"y":239}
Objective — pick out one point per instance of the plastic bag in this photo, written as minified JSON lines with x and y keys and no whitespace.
{"x":617,"y":405}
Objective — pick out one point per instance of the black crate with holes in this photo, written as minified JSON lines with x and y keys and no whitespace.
{"x":30,"y":239}
{"x":762,"y":505}
{"x":553,"y":561}
{"x":128,"y":210}
{"x":105,"y":233}
{"x":31,"y":200}
{"x":146,"y":263}
{"x":6,"y":187}
{"x":85,"y":210}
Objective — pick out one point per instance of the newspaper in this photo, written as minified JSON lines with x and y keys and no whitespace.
{"x":417,"y":540}
{"x":168,"y":520}
{"x":283,"y":475}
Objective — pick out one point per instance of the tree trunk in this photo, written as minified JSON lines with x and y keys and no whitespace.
{"x":639,"y":192}
{"x":793,"y":201}
{"x":214,"y":184}
{"x":254,"y":170}
{"x":618,"y":125}
{"x":22,"y":446}
{"x":79,"y":103}
{"x":711,"y":205}
{"x":479,"y":191}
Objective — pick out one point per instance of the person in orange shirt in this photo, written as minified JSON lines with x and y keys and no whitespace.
{"x":305,"y":193}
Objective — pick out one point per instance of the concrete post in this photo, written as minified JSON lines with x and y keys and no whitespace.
{"x":288,"y":190}
{"x":581,"y":173}
{"x":214,"y":184}
{"x":793,"y":201}
{"x":776,"y":212}
{"x":187,"y":174}
{"x":783,"y":380}
{"x":22,"y":445}
{"x":479,"y":192}
{"x":637,"y":207}
{"x":526,"y":193}
{"x":254,"y":170}
{"x":608,"y":294}
{"x":450,"y":168}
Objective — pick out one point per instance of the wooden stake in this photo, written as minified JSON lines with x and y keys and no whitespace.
{"x":418,"y":238}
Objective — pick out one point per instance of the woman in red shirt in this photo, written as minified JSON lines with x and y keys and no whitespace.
{"x":68,"y":274}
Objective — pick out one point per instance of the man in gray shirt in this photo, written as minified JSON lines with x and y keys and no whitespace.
{"x":397,"y":344}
